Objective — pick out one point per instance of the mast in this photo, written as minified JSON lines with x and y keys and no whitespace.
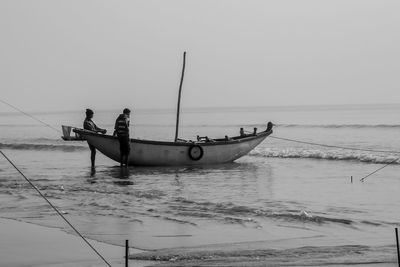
{"x":179,"y":97}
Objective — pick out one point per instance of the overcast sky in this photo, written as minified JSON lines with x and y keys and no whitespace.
{"x":69,"y":55}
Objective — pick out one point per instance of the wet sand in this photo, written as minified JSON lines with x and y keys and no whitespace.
{"x":25,"y":244}
{"x":247,"y":254}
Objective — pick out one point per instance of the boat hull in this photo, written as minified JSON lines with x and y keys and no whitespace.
{"x":159,"y":153}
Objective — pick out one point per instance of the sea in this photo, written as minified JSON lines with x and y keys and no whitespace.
{"x":298,"y":199}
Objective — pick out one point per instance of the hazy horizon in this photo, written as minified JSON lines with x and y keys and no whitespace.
{"x":14,"y":111}
{"x":70,"y":55}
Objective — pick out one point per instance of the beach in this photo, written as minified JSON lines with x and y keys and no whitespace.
{"x":284,"y":204}
{"x":26,"y":244}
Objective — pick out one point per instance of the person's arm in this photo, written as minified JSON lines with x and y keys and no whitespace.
{"x":115,"y":129}
{"x":97,"y":129}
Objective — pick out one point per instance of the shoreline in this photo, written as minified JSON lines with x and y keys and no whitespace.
{"x":28,"y":244}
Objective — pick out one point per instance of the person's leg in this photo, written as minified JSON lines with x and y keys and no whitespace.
{"x":127,"y":150}
{"x":121,"y":151}
{"x":127,"y":159}
{"x":124,"y":148}
{"x":92,"y":155}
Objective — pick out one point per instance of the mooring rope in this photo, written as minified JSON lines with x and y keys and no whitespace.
{"x":29,"y":115}
{"x":333,"y":146}
{"x":348,"y":148}
{"x":59,"y":213}
{"x":362,"y":179}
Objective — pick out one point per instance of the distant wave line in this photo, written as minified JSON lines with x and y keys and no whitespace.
{"x":237,"y":125}
{"x":24,"y":146}
{"x":354,"y":126}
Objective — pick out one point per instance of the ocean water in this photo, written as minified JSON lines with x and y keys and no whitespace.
{"x":286,"y":203}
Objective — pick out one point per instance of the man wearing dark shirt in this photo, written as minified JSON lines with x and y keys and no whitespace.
{"x":89,"y":125}
{"x":121,"y":129}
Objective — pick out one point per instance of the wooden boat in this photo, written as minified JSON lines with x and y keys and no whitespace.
{"x":204,"y":151}
{"x":180,"y":152}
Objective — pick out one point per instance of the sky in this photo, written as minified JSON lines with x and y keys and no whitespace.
{"x":69,"y":55}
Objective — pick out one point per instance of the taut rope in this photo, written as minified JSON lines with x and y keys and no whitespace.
{"x":29,"y":115}
{"x":59,"y":213}
{"x":333,"y":146}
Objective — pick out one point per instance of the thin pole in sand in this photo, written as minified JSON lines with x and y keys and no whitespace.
{"x":179,"y":97}
{"x":126,"y":252}
{"x":397,"y":242}
{"x":59,"y":213}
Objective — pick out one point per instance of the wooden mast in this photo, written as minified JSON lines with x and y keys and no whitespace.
{"x":179,"y":97}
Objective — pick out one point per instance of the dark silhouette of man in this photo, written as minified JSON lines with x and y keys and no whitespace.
{"x":121,"y":129}
{"x":88,"y":124}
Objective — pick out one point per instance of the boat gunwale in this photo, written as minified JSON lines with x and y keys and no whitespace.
{"x":232,"y":140}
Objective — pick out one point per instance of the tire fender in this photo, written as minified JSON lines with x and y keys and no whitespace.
{"x":195,"y":152}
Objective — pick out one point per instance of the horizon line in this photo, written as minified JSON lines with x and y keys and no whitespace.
{"x":213,"y":107}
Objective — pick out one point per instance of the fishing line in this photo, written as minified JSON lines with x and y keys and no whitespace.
{"x":59,"y":213}
{"x":27,"y":114}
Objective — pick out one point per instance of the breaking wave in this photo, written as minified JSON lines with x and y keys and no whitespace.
{"x":231,"y":213}
{"x":326,"y":155}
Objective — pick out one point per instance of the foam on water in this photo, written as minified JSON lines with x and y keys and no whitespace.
{"x":327,"y":154}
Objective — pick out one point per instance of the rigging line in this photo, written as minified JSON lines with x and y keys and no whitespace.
{"x":59,"y":213}
{"x":27,"y":114}
{"x":333,"y":146}
{"x":362,"y":179}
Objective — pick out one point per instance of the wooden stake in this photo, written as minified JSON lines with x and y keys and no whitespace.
{"x":179,"y":97}
{"x":397,"y":242}
{"x":126,"y":252}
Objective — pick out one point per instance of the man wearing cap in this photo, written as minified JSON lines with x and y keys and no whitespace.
{"x":89,"y":125}
{"x":121,"y":130}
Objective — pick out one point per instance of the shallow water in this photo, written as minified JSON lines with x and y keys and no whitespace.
{"x":284,"y":200}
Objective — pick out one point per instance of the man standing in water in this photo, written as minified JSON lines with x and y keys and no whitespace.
{"x":122,"y":131}
{"x":89,"y":125}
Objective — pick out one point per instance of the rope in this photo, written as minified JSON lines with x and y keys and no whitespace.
{"x":332,"y":146}
{"x":59,"y":213}
{"x":362,"y":179}
{"x":348,"y":148}
{"x":36,"y":119}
